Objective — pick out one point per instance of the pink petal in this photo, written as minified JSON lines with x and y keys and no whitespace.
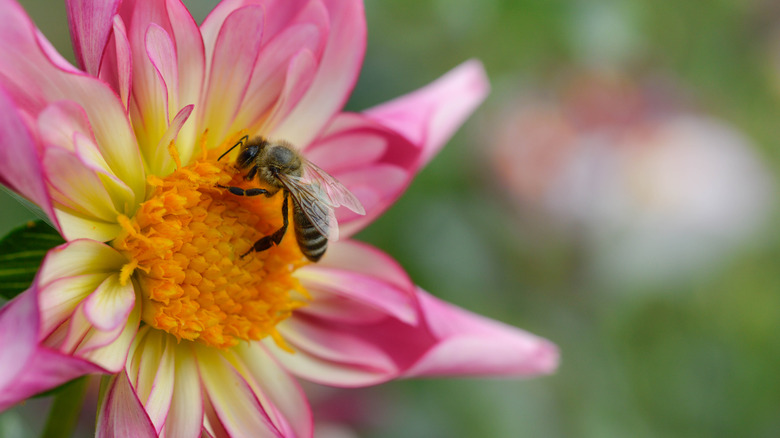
{"x":117,"y":66}
{"x":373,"y":162}
{"x":307,"y":32}
{"x":331,"y":354}
{"x":121,"y":414}
{"x":237,"y":407}
{"x":472,"y":345}
{"x":235,"y":52}
{"x":20,"y":166}
{"x":335,"y":78}
{"x":178,"y":77}
{"x":185,"y":417}
{"x":33,"y":78}
{"x":429,"y":116}
{"x":29,"y":368}
{"x":279,"y":392}
{"x":90,"y":26}
{"x":300,"y":74}
{"x":110,"y":304}
{"x":372,"y":281}
{"x":441,"y":339}
{"x":162,"y":161}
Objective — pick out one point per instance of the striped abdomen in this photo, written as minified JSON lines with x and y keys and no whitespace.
{"x":312,"y":243}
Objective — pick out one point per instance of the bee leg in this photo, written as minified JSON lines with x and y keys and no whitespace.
{"x":276,"y":237}
{"x":241,"y":192}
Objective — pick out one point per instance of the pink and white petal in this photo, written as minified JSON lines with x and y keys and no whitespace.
{"x":429,"y":116}
{"x":74,"y":223}
{"x":472,"y":345}
{"x":300,"y":74}
{"x":279,"y":13}
{"x":33,"y":79}
{"x":44,"y":370}
{"x":277,"y":390}
{"x":79,"y":257}
{"x":109,"y":349}
{"x":237,"y":408}
{"x":149,"y":97}
{"x":156,"y":378}
{"x":116,"y":68}
{"x":335,"y":78}
{"x":189,"y":63}
{"x":161,"y":162}
{"x":185,"y":416}
{"x":370,"y":280}
{"x":74,"y":186}
{"x":59,"y":298}
{"x":162,"y":53}
{"x":121,"y":414}
{"x":29,"y":368}
{"x":90,"y":26}
{"x":307,"y":32}
{"x":333,"y":354}
{"x":150,"y":369}
{"x":60,"y":121}
{"x":373,"y":162}
{"x":235,"y":53}
{"x":20,"y":166}
{"x":110,"y":304}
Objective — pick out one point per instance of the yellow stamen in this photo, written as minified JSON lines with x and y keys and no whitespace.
{"x":185,"y":245}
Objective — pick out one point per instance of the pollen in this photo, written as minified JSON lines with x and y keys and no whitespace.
{"x":185,"y":247}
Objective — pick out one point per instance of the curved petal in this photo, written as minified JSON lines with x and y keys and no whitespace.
{"x":90,"y":26}
{"x":235,"y":404}
{"x":429,"y":116}
{"x":151,"y":372}
{"x":471,"y":345}
{"x":185,"y":417}
{"x":233,"y":60}
{"x":352,"y":279}
{"x":176,"y":23}
{"x":279,"y":392}
{"x":110,"y":304}
{"x":116,"y":69}
{"x":33,"y":78}
{"x":374,"y":162}
{"x":20,"y":164}
{"x":336,"y":76}
{"x":345,"y":350}
{"x":28,"y":367}
{"x":121,"y":414}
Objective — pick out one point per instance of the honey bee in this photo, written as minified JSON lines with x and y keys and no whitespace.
{"x":314,"y":192}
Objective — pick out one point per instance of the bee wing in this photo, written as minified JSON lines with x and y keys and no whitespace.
{"x":336,"y":194}
{"x":315,"y":204}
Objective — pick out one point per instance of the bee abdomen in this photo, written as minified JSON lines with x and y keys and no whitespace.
{"x":311,"y":242}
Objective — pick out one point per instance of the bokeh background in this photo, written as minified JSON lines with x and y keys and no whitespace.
{"x":614,"y":194}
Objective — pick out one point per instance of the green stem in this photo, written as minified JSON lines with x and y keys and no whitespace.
{"x":65,"y":410}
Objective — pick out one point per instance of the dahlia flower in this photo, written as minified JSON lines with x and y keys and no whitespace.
{"x":150,"y":288}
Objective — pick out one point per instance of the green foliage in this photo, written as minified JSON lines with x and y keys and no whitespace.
{"x":21,"y":253}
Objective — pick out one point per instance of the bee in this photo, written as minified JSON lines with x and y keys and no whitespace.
{"x":314,"y":192}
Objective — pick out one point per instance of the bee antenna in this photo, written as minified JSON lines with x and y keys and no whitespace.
{"x":241,"y":141}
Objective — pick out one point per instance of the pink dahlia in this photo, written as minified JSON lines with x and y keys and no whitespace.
{"x":151,"y":288}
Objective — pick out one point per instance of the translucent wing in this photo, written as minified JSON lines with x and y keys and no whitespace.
{"x":336,"y":194}
{"x":315,"y":204}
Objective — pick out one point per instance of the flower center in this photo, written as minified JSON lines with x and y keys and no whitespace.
{"x":185,"y":246}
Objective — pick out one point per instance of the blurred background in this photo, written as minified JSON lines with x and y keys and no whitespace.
{"x":614,"y":194}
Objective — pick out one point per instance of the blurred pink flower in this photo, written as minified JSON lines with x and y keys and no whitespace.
{"x":653,"y":188}
{"x":123,"y":150}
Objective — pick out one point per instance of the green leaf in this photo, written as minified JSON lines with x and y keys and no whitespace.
{"x":21,"y":253}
